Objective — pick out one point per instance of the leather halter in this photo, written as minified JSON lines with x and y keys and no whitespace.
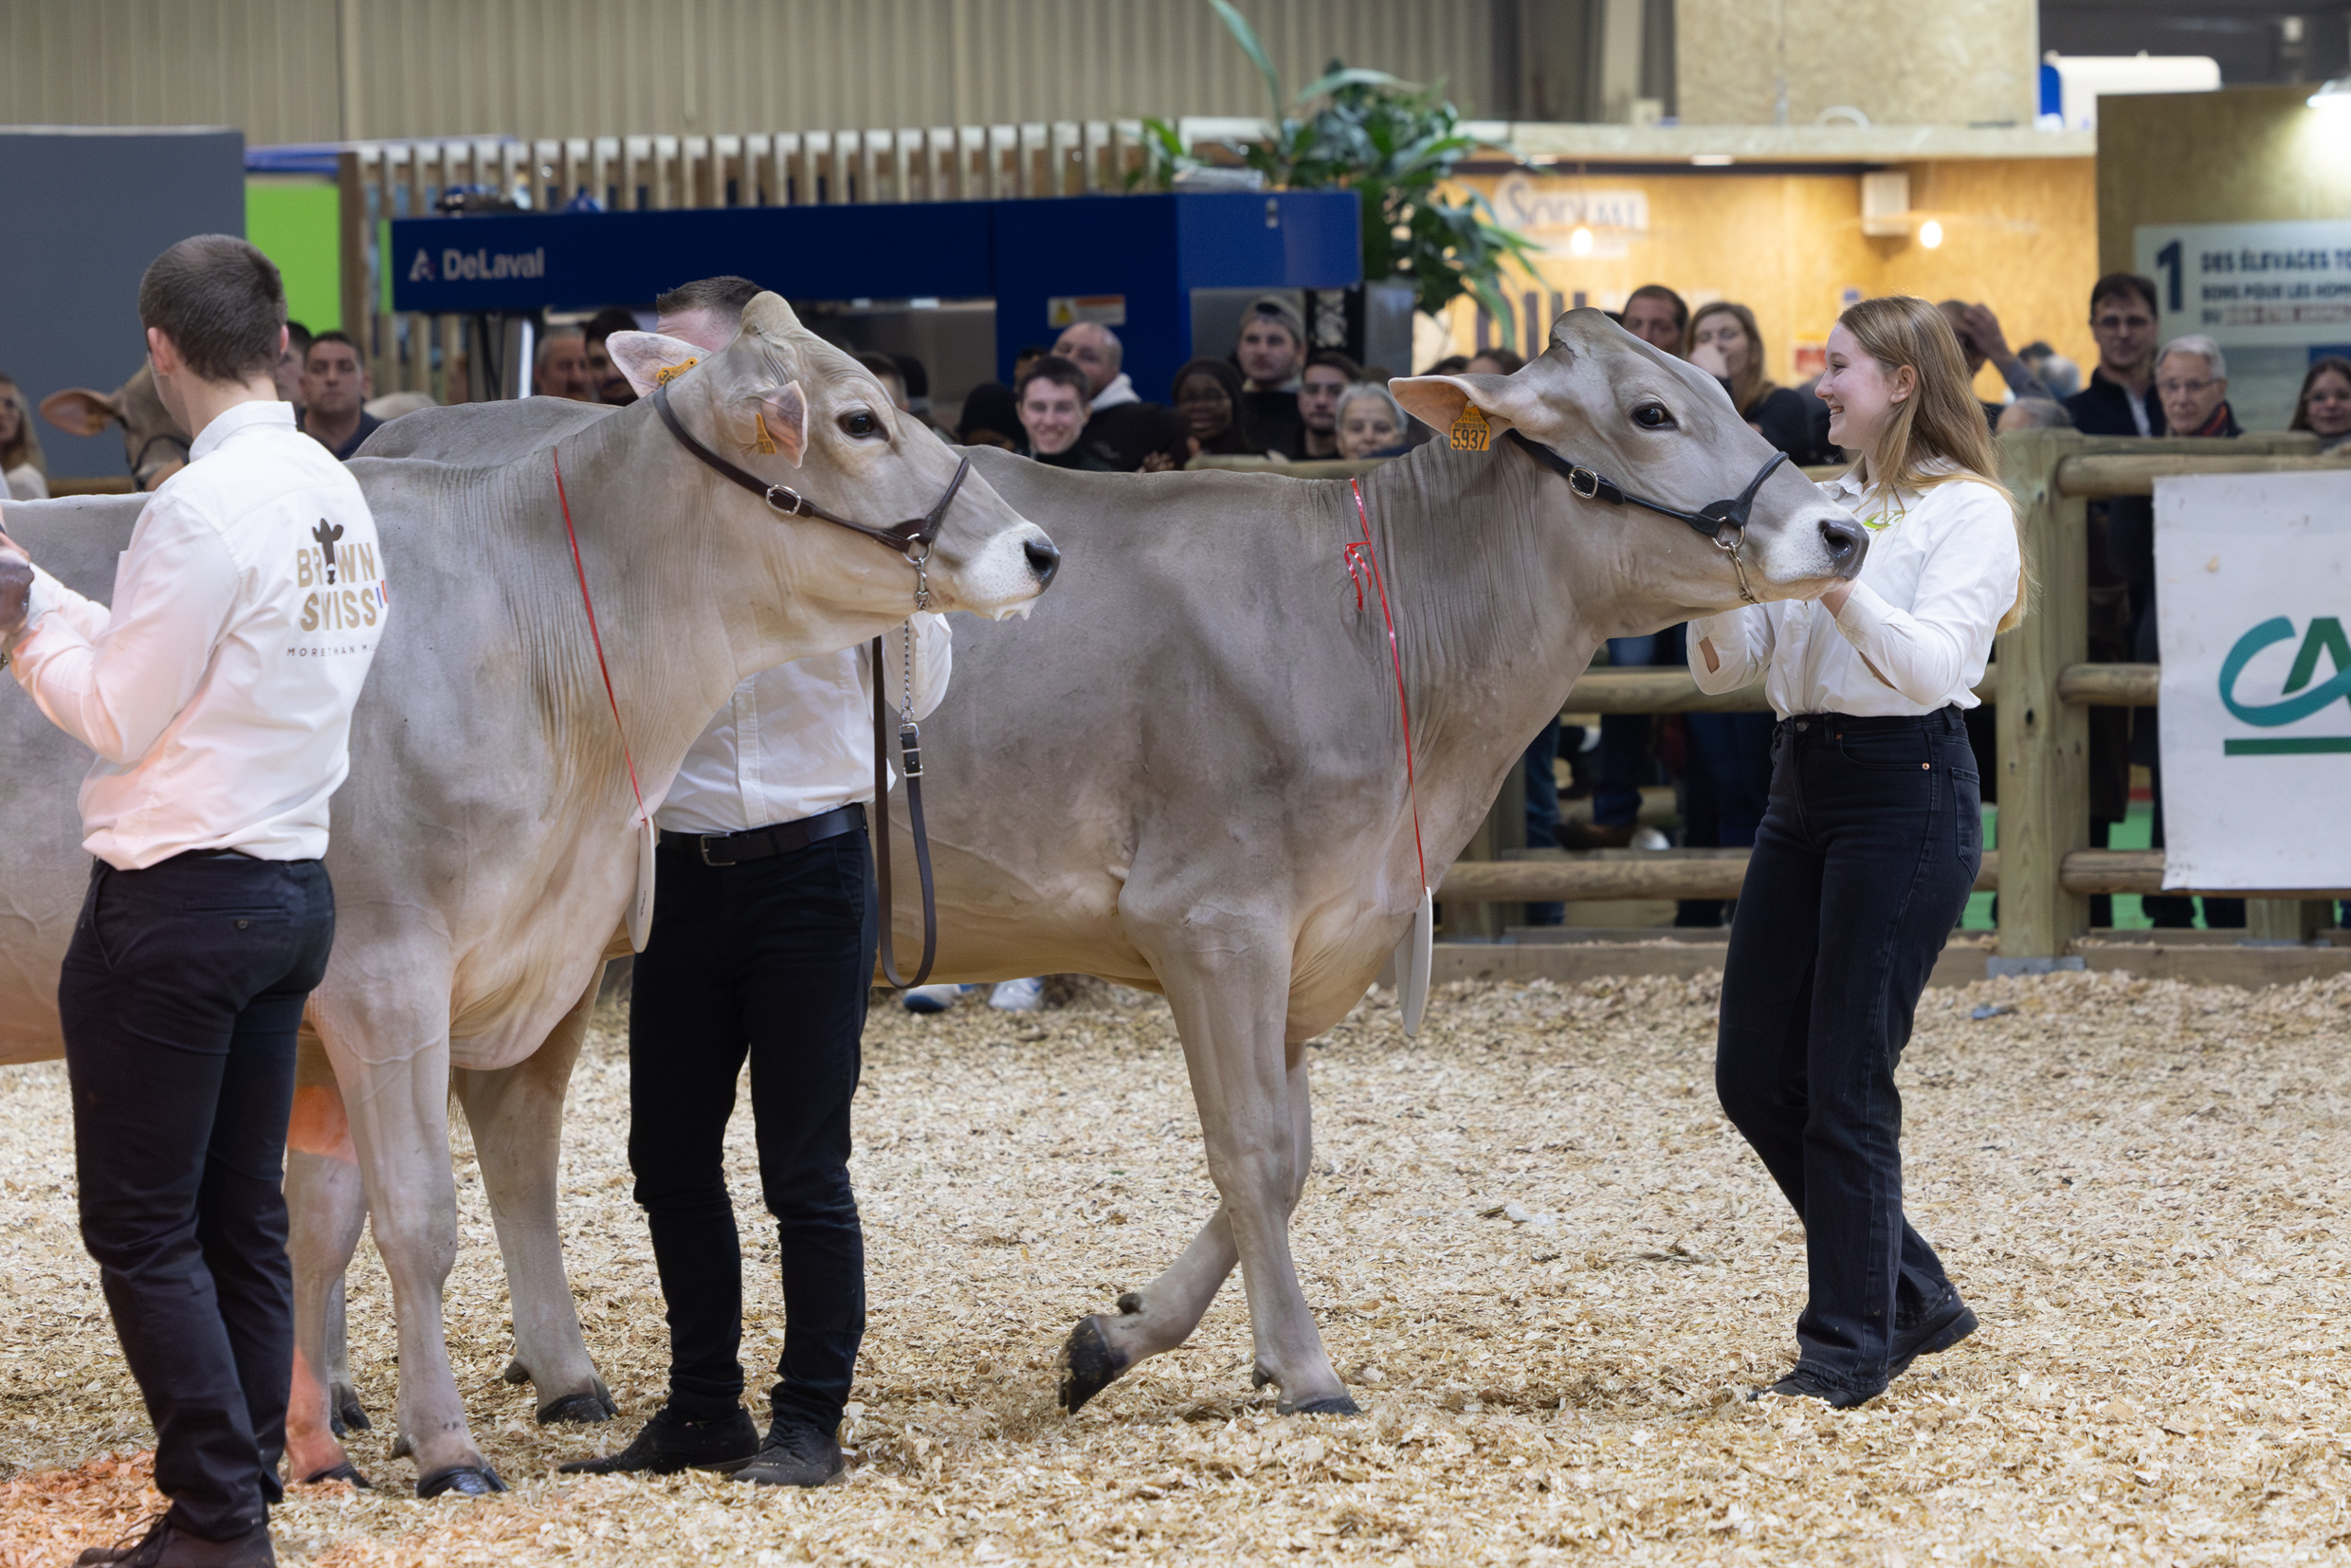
{"x":1709,"y":520}
{"x":911,"y":538}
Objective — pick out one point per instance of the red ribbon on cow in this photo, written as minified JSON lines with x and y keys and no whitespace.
{"x":1358,"y":557}
{"x":595,"y":637}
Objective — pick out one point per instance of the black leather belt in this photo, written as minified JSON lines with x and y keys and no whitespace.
{"x":763,"y":842}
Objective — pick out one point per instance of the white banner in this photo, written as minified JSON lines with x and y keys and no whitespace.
{"x":2255,"y":595}
{"x":2284,"y":284}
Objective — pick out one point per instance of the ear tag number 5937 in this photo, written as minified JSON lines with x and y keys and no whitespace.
{"x":1472,"y":433}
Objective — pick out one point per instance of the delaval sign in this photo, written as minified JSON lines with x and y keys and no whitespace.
{"x":578,"y":261}
{"x":476,"y":265}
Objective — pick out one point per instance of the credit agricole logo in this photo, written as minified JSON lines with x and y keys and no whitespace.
{"x":2298,"y":699}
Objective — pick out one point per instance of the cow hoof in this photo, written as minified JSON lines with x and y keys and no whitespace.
{"x":587,"y":1407}
{"x":1088,"y":1365}
{"x":1259,"y":1377}
{"x":345,"y":1472}
{"x":516,"y":1372}
{"x":344,"y":1412}
{"x":1332,"y":1404}
{"x":464,"y":1480}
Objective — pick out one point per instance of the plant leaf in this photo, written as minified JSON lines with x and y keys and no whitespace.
{"x":1355,"y":76}
{"x":1246,"y":36}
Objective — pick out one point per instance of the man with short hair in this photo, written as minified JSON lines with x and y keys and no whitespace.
{"x":1269,"y":351}
{"x":1051,"y":398}
{"x":611,"y":387}
{"x":1121,"y":422}
{"x":763,"y":939}
{"x":1658,"y":316}
{"x":559,"y":368}
{"x":290,"y":376}
{"x":1328,"y":374}
{"x":334,"y":388}
{"x":2120,"y":399}
{"x":217,"y":691}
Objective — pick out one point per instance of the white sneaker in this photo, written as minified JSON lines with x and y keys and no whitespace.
{"x":934,"y":998}
{"x":1018,"y":995}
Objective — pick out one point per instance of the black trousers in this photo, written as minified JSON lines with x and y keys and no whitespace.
{"x":181,"y":996}
{"x":1862,"y":864}
{"x":770,"y":958}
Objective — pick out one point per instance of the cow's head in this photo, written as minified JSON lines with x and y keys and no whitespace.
{"x":793,"y":411}
{"x":153,"y":442}
{"x":1660,"y":428}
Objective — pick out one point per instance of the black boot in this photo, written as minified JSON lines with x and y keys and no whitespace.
{"x":669,"y":1442}
{"x":1945,"y":1325}
{"x":166,"y":1545}
{"x":1803,"y":1384}
{"x":796,"y":1453}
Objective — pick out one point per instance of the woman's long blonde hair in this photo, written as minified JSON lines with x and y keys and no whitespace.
{"x":25,"y":445}
{"x":1750,"y":386}
{"x":1942,"y":419}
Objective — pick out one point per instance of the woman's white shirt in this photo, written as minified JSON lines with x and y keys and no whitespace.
{"x":1916,"y":631}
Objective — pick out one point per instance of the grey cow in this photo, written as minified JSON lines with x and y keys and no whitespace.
{"x":1187,"y":771}
{"x":487,"y":842}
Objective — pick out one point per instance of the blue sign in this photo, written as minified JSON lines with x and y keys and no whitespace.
{"x":1153,"y":249}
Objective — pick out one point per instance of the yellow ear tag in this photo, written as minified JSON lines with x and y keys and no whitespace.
{"x":1472,"y":433}
{"x":765,"y":442}
{"x":667,"y":374}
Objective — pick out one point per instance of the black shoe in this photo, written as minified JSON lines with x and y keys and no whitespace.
{"x":669,"y":1442}
{"x":796,"y":1454}
{"x":1949,"y":1323}
{"x":1802,"y":1384}
{"x":166,"y":1545}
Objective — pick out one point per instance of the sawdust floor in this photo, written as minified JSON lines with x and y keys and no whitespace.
{"x":2143,"y":1187}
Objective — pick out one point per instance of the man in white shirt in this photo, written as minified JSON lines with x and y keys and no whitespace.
{"x":763,"y":939}
{"x":217,"y":693}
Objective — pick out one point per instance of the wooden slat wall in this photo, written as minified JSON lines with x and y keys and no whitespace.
{"x":545,"y":68}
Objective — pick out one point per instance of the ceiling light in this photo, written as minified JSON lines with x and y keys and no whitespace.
{"x":1580,"y":243}
{"x":1930,"y":234}
{"x":2334,"y":95}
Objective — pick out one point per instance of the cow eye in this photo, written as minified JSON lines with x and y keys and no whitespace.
{"x":860,"y":422}
{"x":1653,"y":416}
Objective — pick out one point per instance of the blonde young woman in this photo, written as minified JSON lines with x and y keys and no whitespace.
{"x":22,"y":468}
{"x":1872,"y":837}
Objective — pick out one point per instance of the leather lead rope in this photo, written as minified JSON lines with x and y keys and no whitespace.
{"x":910,"y":750}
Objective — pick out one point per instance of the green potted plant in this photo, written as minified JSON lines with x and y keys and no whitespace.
{"x":1390,"y":141}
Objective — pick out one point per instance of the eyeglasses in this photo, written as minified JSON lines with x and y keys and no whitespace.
{"x":2118,"y":323}
{"x":2182,"y":389}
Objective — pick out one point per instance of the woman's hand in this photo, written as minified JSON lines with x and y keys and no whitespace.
{"x":15,"y":586}
{"x":1834,"y":601}
{"x":1157,"y":463}
{"x":1714,"y":664}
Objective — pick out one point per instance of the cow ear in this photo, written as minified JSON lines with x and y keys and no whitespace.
{"x":769,"y":316}
{"x":781,"y":421}
{"x":81,"y":411}
{"x":1441,"y":402}
{"x":648,"y":359}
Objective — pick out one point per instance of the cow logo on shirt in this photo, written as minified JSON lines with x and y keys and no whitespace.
{"x":327,"y":534}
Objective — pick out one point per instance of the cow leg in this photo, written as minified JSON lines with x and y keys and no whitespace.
{"x":349,"y":1414}
{"x":397,"y":1097}
{"x":326,"y":1208}
{"x":516,"y":1116}
{"x":1164,"y":1313}
{"x":1227,"y":977}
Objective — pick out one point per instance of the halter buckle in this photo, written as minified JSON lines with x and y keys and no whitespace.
{"x":790,"y":511}
{"x":1584,"y":483}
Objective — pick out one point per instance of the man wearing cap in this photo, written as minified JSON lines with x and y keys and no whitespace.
{"x":217,"y":691}
{"x":1271,"y":352}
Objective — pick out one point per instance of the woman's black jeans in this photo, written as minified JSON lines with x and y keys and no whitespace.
{"x":770,"y":958}
{"x":1862,"y":867}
